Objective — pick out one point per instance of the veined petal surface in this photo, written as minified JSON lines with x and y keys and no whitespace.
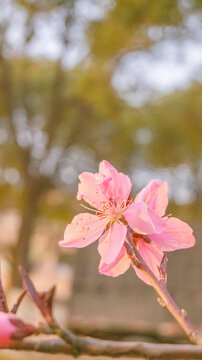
{"x":143,"y":220}
{"x":84,"y":229}
{"x":111,"y":242}
{"x":119,"y":188}
{"x":155,"y":195}
{"x":152,"y":256}
{"x":176,"y":235}
{"x":119,"y":266}
{"x":91,"y":190}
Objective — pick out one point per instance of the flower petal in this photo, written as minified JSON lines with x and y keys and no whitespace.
{"x":91,"y":190}
{"x":111,"y":242}
{"x":155,"y":195}
{"x":84,"y":229}
{"x":106,"y":168}
{"x":119,"y":188}
{"x":143,"y":220}
{"x":176,"y":235}
{"x":119,"y":266}
{"x":6,"y":329}
{"x":152,"y":256}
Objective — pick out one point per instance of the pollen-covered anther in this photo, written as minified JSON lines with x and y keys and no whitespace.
{"x":146,"y":239}
{"x":107,"y":226}
{"x":123,"y":220}
{"x":135,"y":237}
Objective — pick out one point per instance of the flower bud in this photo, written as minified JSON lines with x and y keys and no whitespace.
{"x":13,"y":329}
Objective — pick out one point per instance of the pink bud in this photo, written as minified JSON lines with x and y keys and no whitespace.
{"x":13,"y":329}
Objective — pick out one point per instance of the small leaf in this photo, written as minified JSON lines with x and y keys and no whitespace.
{"x":46,"y":299}
{"x":22,"y":329}
{"x":17,"y":304}
{"x":43,"y":300}
{"x":29,"y":286}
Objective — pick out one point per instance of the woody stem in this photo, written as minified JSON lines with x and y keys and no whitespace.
{"x":166,"y":300}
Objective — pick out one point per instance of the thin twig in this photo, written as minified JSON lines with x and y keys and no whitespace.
{"x":193,"y":334}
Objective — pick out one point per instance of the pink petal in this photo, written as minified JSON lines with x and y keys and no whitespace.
{"x":119,"y":188}
{"x":111,"y":242}
{"x":152,"y":256}
{"x":155,"y":195}
{"x":90,"y":190}
{"x":143,"y":220}
{"x":176,"y":235}
{"x":106,"y":168}
{"x":84,"y":229}
{"x":117,"y":267}
{"x":6,"y":329}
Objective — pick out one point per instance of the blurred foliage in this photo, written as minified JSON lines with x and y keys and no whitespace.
{"x":125,"y":27}
{"x":176,"y":126}
{"x":59,"y":121}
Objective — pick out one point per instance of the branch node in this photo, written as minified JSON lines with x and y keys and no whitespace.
{"x":161,"y":303}
{"x":184,"y":313}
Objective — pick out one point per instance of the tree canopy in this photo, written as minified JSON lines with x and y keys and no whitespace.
{"x":58,"y":119}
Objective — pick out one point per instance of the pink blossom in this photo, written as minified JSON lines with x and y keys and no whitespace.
{"x":108,"y":193}
{"x":13,"y":329}
{"x":175,"y":235}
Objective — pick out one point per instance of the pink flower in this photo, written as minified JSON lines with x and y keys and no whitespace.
{"x":175,"y":235}
{"x":13,"y":329}
{"x":108,"y":192}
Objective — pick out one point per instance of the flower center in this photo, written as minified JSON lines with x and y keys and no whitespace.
{"x":114,"y":212}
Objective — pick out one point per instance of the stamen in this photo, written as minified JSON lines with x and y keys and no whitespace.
{"x":88,"y":208}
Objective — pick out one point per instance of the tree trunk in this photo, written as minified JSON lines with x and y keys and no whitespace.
{"x":29,"y":216}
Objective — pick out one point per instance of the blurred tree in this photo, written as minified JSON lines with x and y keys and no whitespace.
{"x":176,"y":127}
{"x":125,"y":28}
{"x":46,"y":118}
{"x":56,"y":119}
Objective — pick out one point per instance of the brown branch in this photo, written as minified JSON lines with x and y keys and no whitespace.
{"x":69,"y":343}
{"x":104,"y":329}
{"x":52,"y":346}
{"x":96,"y":347}
{"x":166,"y":300}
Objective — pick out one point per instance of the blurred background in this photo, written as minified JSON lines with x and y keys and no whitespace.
{"x":87,"y":80}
